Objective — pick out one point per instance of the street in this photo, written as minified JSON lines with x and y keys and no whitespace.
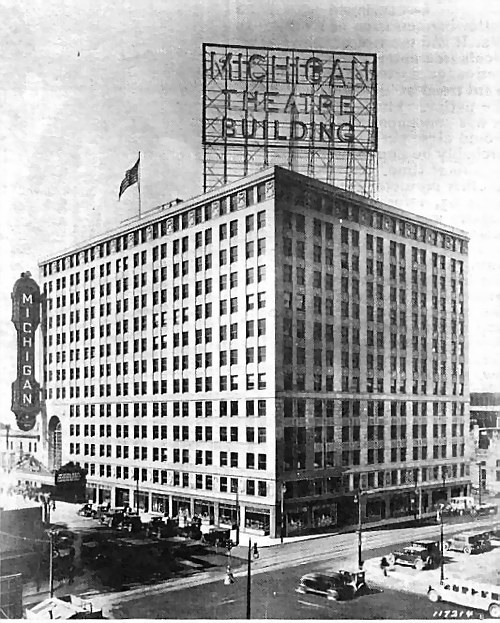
{"x":274,"y":597}
{"x":275,"y":575}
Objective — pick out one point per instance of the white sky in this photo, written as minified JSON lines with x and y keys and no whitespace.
{"x":70,"y":124}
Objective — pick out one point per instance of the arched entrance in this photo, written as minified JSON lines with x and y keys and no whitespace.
{"x":55,"y":443}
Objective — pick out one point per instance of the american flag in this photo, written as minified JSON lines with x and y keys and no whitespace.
{"x":131,"y":177}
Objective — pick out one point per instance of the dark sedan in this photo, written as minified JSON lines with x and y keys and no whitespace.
{"x":338,"y":585}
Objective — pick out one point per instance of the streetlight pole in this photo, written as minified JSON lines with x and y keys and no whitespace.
{"x":442,"y":545}
{"x":479,"y":480}
{"x":360,"y":531}
{"x":282,"y":530}
{"x":249,"y":579}
{"x":137,"y":491}
{"x":51,"y":564}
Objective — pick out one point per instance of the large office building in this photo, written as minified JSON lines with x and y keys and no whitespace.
{"x":278,"y":343}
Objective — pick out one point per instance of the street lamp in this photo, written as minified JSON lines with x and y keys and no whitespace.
{"x":417,"y":507}
{"x":442,"y":543}
{"x":444,"y":473}
{"x":479,"y":481}
{"x":282,"y":530}
{"x":357,"y":498}
{"x":136,"y":478}
{"x":51,"y":562}
{"x":252,"y":552}
{"x":237,"y":516}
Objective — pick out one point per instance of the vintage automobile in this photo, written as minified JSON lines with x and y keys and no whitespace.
{"x":420,"y":555}
{"x":87,"y":510}
{"x":485,"y":509}
{"x":218,"y":537}
{"x":334,"y":585}
{"x":468,"y":543}
{"x":161,"y":527}
{"x":495,"y":538}
{"x":129,"y":522}
{"x":190,"y":531}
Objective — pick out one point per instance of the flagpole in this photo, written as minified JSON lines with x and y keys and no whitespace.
{"x":139,"y":182}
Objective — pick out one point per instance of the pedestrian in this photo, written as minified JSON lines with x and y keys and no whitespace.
{"x":53,"y":505}
{"x":383,"y":565}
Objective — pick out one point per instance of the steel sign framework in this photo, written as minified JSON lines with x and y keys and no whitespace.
{"x":311,"y":111}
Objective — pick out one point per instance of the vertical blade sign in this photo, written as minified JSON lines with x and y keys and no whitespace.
{"x":26,"y":318}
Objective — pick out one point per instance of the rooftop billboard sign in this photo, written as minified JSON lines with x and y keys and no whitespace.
{"x":282,"y":101}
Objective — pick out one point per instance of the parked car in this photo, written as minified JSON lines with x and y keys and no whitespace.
{"x":129,"y":522}
{"x":191,"y":531}
{"x":468,"y":543}
{"x":334,"y":585}
{"x":461,"y":504}
{"x":86,"y":510}
{"x":217,"y":537}
{"x":420,"y":555}
{"x":64,"y":539}
{"x":485,"y":509}
{"x":161,"y":527}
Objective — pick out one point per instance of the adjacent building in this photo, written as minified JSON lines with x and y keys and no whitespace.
{"x":261,"y":354}
{"x":485,"y":437}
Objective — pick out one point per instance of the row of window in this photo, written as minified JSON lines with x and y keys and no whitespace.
{"x":178,"y":433}
{"x":201,"y":481}
{"x":296,"y":407}
{"x":223,"y":408}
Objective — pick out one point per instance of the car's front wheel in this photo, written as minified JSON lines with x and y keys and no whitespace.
{"x":433,"y":596}
{"x":494,"y":611}
{"x":467,"y":550}
{"x":446,"y":546}
{"x":419,"y":564}
{"x":391,"y":559}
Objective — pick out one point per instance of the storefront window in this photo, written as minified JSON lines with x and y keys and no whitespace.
{"x":296,"y":522}
{"x":325,"y":515}
{"x":159,"y":504}
{"x":257,"y":520}
{"x":181,"y":507}
{"x":205,"y":510}
{"x":228,"y":515}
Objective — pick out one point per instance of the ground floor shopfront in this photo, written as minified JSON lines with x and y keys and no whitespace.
{"x":299,"y":517}
{"x":341,"y":511}
{"x":251,"y":518}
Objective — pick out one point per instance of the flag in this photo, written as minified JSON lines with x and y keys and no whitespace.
{"x":131,"y":177}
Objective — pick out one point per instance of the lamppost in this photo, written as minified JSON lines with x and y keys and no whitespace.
{"x":442,"y":544}
{"x":418,"y":496}
{"x":136,"y":478}
{"x":282,"y":499}
{"x":479,"y":480}
{"x":237,"y":517}
{"x":357,"y":498}
{"x":51,"y":563}
{"x":251,"y":550}
{"x":444,"y":473}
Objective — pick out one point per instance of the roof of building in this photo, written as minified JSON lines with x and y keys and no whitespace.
{"x":176,"y":207}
